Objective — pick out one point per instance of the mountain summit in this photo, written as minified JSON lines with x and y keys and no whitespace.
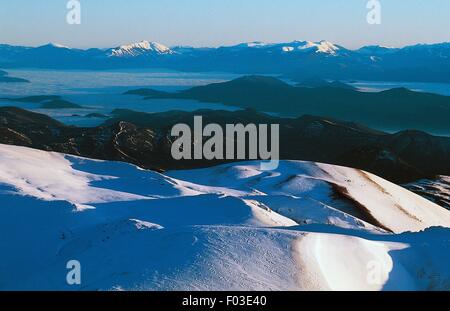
{"x":297,"y":60}
{"x":323,"y":46}
{"x":140,"y":48}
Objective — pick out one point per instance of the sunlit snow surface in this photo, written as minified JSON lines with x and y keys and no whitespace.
{"x":233,"y":227}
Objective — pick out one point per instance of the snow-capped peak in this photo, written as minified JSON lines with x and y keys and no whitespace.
{"x":254,"y":44}
{"x":56,"y":45}
{"x":326,"y":47}
{"x":319,"y":47}
{"x":140,"y":48}
{"x":376,"y":49}
{"x":246,"y":45}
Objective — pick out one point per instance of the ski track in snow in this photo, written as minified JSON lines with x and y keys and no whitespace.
{"x":232,"y":227}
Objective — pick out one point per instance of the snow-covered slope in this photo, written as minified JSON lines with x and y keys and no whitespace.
{"x":55,"y":46}
{"x":304,"y":226}
{"x":378,"y":50}
{"x":436,"y":190}
{"x":140,"y":48}
{"x":323,"y":46}
{"x":353,"y":191}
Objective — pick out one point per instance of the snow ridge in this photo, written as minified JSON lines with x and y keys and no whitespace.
{"x":140,"y":48}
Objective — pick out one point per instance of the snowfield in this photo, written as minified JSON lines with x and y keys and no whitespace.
{"x":305,"y":226}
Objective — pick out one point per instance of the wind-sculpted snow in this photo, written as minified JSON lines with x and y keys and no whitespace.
{"x":232,"y":227}
{"x":306,"y":189}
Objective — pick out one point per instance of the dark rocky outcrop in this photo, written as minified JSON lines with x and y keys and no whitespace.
{"x":144,"y":139}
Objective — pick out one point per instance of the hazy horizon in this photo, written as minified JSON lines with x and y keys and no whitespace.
{"x":216,"y":46}
{"x":212,"y":23}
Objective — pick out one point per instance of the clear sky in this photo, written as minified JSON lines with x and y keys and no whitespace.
{"x":107,"y":23}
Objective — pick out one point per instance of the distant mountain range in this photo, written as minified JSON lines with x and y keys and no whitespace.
{"x":397,"y":108}
{"x":46,"y":101}
{"x":317,"y":82}
{"x":144,"y":139}
{"x":297,"y":60}
{"x":5,"y":78}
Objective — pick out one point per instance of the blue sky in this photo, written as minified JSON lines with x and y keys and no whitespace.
{"x":107,"y":23}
